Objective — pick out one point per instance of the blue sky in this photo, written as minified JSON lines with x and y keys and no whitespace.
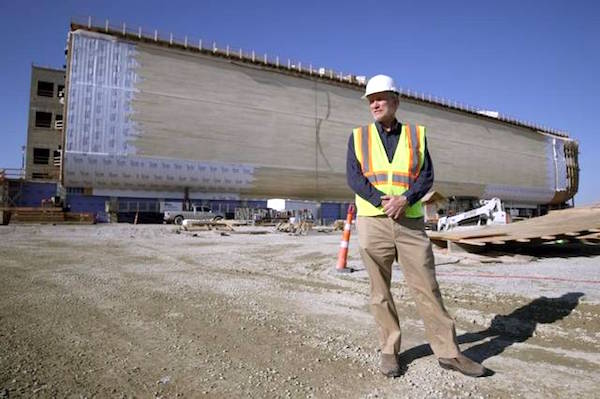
{"x":534,"y":60}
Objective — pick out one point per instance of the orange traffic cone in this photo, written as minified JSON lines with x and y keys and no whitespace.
{"x":343,"y":252}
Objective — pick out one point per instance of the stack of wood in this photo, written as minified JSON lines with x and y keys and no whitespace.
{"x":567,"y":225}
{"x":339,"y":225}
{"x":79,"y":218}
{"x":46,"y":214}
{"x":204,"y":225}
{"x":296,"y":228}
{"x":37,"y":215}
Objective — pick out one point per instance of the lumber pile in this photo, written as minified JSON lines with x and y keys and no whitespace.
{"x":37,"y":215}
{"x":339,"y":225}
{"x":79,"y":218}
{"x":567,"y":225}
{"x":204,"y":225}
{"x":54,"y":215}
{"x":296,"y":228}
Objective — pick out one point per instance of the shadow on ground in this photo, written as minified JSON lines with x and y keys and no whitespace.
{"x":536,"y":249}
{"x":518,"y":326}
{"x":565,"y":250}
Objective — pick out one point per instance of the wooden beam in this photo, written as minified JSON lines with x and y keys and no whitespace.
{"x":471,"y":242}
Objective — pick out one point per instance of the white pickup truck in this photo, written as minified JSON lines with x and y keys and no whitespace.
{"x":197,"y":213}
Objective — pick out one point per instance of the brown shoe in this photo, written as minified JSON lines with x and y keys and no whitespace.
{"x":464,"y":365}
{"x":389,"y":365}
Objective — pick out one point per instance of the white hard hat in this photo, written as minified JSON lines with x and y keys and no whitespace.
{"x":380,"y":83}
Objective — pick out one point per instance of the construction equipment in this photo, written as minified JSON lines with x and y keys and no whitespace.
{"x":490,"y":213}
{"x":575,"y":225}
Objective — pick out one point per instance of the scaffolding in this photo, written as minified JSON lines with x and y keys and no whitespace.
{"x":11,"y":187}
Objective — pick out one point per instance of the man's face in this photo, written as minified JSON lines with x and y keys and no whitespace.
{"x":383,"y":106}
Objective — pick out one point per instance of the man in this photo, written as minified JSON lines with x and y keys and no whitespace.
{"x":390,"y":170}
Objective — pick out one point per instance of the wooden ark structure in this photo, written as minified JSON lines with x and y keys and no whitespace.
{"x":149,"y":116}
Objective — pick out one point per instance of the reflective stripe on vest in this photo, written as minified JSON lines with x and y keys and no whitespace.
{"x":414,"y":146}
{"x":393,"y":177}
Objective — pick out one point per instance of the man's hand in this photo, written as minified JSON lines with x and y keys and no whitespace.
{"x":394,"y":205}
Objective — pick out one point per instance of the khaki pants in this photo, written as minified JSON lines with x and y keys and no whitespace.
{"x":382,"y":241}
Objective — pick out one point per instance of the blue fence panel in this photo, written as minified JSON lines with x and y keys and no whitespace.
{"x":33,"y":193}
{"x":133,"y":204}
{"x":330,"y":211}
{"x":89,"y":204}
{"x":257,"y":204}
{"x":225,"y":206}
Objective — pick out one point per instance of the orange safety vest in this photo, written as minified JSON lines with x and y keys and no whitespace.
{"x":392,"y":178}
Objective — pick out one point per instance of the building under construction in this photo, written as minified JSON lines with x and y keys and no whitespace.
{"x":158,"y":118}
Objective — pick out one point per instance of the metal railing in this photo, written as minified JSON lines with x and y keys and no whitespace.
{"x":262,"y":58}
{"x":210,"y":46}
{"x":12,"y":173}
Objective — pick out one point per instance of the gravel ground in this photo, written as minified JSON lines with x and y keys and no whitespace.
{"x":139,"y":311}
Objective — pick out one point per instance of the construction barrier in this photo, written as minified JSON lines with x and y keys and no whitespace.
{"x":343,"y":252}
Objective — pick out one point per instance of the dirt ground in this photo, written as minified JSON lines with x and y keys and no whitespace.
{"x":140,"y":311}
